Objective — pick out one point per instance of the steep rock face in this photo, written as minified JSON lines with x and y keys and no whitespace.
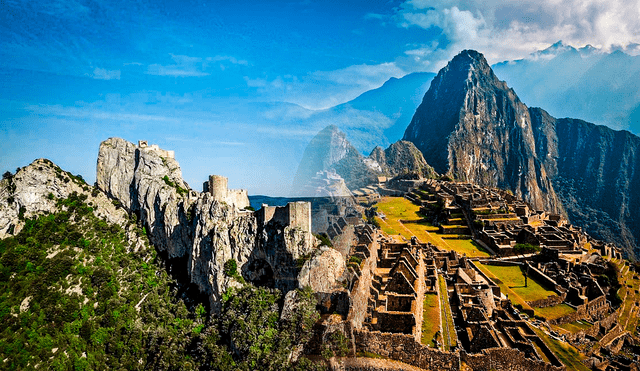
{"x":35,"y":189}
{"x":330,"y":150}
{"x":475,"y":128}
{"x":472,"y":126}
{"x":596,"y":172}
{"x":402,"y":157}
{"x":331,"y":264}
{"x":192,"y":226}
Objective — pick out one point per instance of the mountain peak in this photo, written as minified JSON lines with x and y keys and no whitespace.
{"x":469,"y":57}
{"x":473,"y":127}
{"x":467,"y":69}
{"x":468,"y":62}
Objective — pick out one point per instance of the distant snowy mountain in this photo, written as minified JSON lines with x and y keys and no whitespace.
{"x":587,"y":83}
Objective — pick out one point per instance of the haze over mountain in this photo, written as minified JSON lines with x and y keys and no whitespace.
{"x":331,"y":151}
{"x":474,"y":127}
{"x":589,"y":83}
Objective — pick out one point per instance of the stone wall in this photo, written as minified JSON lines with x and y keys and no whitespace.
{"x":294,"y":214}
{"x":143,"y":144}
{"x":502,"y":263}
{"x":505,"y":359}
{"x":542,"y":278}
{"x":397,"y":322}
{"x":217,"y":186}
{"x":405,"y":349}
{"x":548,"y":302}
{"x":362,"y":286}
{"x":300,"y":215}
{"x":593,"y":310}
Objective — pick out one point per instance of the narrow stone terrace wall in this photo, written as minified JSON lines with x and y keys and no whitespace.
{"x":405,"y":349}
{"x":505,"y":359}
{"x":545,"y":280}
{"x":591,"y":311}
{"x":360,"y":291}
{"x":547,"y":302}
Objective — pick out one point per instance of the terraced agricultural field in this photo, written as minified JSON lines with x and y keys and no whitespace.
{"x":402,"y":217}
{"x":554,"y":312}
{"x":565,"y":352}
{"x":513,"y":278}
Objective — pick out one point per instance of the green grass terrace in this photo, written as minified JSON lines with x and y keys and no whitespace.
{"x":565,"y":352}
{"x":511,"y":282}
{"x":430,"y":319}
{"x":403,"y":218}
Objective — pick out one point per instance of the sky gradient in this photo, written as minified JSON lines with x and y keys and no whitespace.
{"x":207,"y":79}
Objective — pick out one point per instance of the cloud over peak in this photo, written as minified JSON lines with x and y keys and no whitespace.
{"x":513,"y":29}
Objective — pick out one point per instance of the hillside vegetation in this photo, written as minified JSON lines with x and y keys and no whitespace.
{"x":76,"y":294}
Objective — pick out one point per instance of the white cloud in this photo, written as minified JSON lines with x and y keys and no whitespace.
{"x":104,"y":74}
{"x":513,"y":29}
{"x":183,"y":66}
{"x":365,"y":75}
{"x":227,"y":58}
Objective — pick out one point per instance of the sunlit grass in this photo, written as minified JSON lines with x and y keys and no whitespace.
{"x":403,"y":217}
{"x":515,"y":298}
{"x":513,"y":278}
{"x":565,"y":352}
{"x":576,"y":326}
{"x":430,"y":319}
{"x":448,"y":328}
{"x":468,"y":247}
{"x":554,"y":312}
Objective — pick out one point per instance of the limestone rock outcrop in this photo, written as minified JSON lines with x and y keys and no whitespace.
{"x":322,"y":271}
{"x":204,"y":229}
{"x":35,"y":189}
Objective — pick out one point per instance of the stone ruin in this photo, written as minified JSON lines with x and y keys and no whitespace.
{"x":144,"y":146}
{"x":217,"y":186}
{"x":387,"y":284}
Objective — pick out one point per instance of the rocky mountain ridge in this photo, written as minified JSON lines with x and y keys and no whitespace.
{"x":596,"y":172}
{"x":473,"y":127}
{"x":402,"y":157}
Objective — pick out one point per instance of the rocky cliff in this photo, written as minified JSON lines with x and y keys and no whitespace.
{"x":596,"y":172}
{"x":34,"y":189}
{"x":472,"y":126}
{"x":197,"y":229}
{"x":402,"y":157}
{"x":196,"y":232}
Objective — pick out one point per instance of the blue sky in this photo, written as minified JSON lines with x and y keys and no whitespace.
{"x":202,"y":77}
